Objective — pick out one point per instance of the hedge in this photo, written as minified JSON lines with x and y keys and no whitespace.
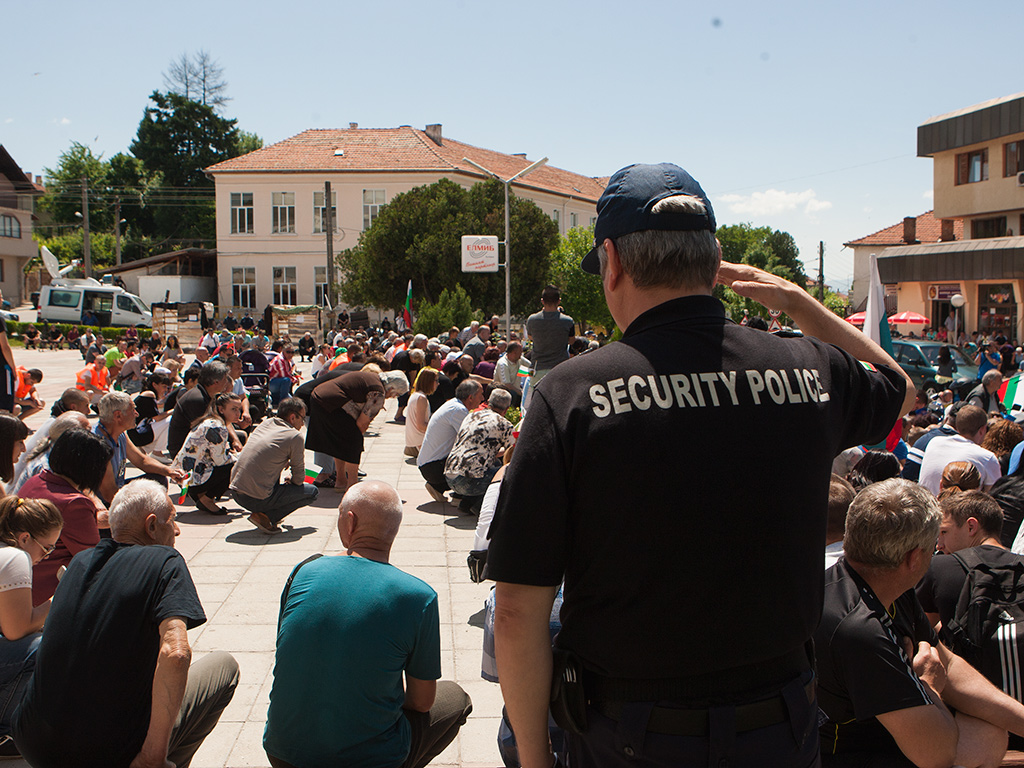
{"x":17,"y":329}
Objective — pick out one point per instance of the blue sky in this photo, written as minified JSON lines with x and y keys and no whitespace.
{"x":797,"y":115}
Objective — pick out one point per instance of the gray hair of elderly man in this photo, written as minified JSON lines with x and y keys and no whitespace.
{"x":395,"y":383}
{"x":499,"y":400}
{"x":113,"y":402}
{"x":134,"y":503}
{"x":887,"y":520}
{"x":378,"y":509}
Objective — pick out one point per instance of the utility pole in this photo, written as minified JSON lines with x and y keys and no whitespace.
{"x":821,"y":271}
{"x":117,"y":230}
{"x":85,"y":227}
{"x":330,"y":252}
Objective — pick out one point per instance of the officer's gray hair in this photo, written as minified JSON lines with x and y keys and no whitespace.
{"x":113,"y":402}
{"x":664,"y":258}
{"x":889,"y":519}
{"x":134,"y":503}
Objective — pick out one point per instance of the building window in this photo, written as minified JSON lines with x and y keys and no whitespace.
{"x":1013,"y":156}
{"x":10,"y":226}
{"x":994,"y":227}
{"x":320,"y":212}
{"x":320,"y":285}
{"x":574,"y":220}
{"x":285,"y":290}
{"x":243,"y":287}
{"x":554,"y":215}
{"x":972,"y":167}
{"x":997,"y":310}
{"x":593,"y":221}
{"x":241,"y":213}
{"x":373,"y":199}
{"x":282,"y":212}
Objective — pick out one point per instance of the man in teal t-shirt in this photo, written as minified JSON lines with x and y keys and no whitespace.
{"x":359,"y":654}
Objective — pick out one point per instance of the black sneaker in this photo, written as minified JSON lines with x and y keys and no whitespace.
{"x":8,"y":749}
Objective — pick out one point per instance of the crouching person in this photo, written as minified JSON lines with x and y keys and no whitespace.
{"x":885,"y":683}
{"x":356,"y":679}
{"x":113,"y":685}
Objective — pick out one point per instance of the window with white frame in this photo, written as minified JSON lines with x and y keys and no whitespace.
{"x":285,"y":289}
{"x":320,"y":285}
{"x":10,"y":226}
{"x":320,"y":212}
{"x":574,"y":220}
{"x":373,"y":199}
{"x":554,"y":215}
{"x":241,"y":213}
{"x":243,"y":287}
{"x":282,"y":212}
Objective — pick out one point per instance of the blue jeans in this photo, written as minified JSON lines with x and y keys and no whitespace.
{"x":280,"y":388}
{"x":17,"y":662}
{"x":282,"y":501}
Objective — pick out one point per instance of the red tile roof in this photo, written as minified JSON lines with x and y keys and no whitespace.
{"x":397,"y":150}
{"x":929,"y":229}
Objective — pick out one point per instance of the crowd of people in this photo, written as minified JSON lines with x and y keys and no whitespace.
{"x":605,"y":511}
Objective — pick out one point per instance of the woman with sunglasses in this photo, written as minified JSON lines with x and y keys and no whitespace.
{"x":29,"y":529}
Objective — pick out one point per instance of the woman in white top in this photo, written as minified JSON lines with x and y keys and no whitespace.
{"x":207,"y":455}
{"x":321,"y":359}
{"x":29,"y":529}
{"x":417,"y":412}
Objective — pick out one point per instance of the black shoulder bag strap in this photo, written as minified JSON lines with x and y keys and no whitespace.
{"x":288,"y":585}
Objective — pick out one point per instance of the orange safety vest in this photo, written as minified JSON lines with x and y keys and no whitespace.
{"x":92,"y":374}
{"x":24,"y":384}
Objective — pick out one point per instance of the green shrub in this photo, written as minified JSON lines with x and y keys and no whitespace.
{"x":453,"y":308}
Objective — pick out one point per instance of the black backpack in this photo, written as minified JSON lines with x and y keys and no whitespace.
{"x":987,"y":629}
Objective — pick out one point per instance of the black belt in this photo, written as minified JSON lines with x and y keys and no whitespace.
{"x":694,"y":722}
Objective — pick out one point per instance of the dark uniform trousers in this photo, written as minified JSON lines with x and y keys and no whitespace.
{"x":628,"y":742}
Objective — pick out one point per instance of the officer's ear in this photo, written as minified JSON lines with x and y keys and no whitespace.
{"x":612,"y":273}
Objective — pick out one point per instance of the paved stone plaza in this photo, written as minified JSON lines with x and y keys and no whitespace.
{"x":240,"y":571}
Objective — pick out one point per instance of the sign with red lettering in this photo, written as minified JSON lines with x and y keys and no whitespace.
{"x":479,"y":253}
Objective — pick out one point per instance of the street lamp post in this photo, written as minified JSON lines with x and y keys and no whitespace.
{"x":508,"y":233}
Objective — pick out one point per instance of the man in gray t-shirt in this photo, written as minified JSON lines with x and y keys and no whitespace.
{"x":550,"y":332}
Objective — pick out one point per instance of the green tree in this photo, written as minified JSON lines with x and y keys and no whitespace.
{"x":247,"y":142}
{"x":64,"y":187}
{"x":582,"y":293}
{"x":418,"y":236}
{"x":453,"y":307}
{"x":68,"y":246}
{"x":179,"y":138}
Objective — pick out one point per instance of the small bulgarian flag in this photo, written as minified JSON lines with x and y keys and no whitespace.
{"x":184,"y":488}
{"x":1011,"y":394}
{"x":311,"y":476}
{"x":407,"y":313}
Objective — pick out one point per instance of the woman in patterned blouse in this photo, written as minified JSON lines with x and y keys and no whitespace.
{"x":206,"y":455}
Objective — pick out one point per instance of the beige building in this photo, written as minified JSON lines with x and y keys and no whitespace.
{"x":271,"y":238}
{"x":18,"y":194}
{"x":978,"y":162}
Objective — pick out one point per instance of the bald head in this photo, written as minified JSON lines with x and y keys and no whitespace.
{"x":371,"y":514}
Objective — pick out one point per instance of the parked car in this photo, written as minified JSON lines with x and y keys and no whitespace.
{"x":920,"y":361}
{"x":9,"y":315}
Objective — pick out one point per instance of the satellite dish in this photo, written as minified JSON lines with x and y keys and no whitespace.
{"x":50,"y":262}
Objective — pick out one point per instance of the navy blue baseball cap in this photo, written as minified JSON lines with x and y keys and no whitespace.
{"x":626,"y":203}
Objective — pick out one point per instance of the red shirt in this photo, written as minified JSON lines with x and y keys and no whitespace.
{"x":80,"y":529}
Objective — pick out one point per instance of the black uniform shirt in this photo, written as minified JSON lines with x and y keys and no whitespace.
{"x":863,"y":670}
{"x":679,"y":481}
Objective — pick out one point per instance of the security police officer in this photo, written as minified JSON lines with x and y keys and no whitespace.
{"x":693,"y":581}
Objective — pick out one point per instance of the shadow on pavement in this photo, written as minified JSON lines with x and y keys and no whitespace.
{"x":256,"y":537}
{"x":196,"y":517}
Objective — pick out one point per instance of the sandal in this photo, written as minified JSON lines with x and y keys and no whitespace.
{"x":327,"y":482}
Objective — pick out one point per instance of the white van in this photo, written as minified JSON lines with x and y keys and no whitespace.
{"x":66,"y":300}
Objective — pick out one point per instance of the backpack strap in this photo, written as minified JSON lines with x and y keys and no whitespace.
{"x":288,"y":585}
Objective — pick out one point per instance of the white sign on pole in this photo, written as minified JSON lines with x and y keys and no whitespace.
{"x":479,"y":253}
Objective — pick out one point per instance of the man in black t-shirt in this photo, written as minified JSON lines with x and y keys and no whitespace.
{"x":884,"y":680}
{"x":621,"y":484}
{"x":112,"y":683}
